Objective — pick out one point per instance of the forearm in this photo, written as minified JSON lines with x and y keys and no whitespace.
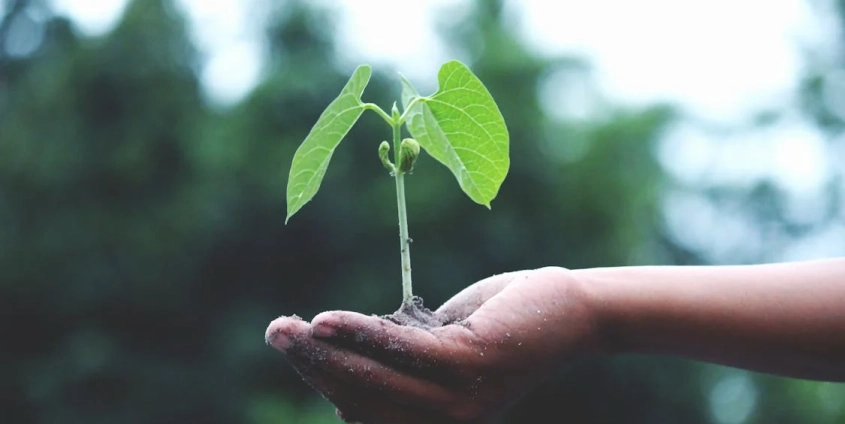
{"x":786,"y":319}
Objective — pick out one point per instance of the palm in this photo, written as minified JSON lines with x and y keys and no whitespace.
{"x":507,"y":334}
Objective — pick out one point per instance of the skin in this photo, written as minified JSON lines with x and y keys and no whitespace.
{"x":512,"y":330}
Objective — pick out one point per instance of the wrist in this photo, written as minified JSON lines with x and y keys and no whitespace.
{"x":580,"y":310}
{"x":604,"y":309}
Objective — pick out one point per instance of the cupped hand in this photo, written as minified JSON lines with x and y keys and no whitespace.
{"x":507,"y":334}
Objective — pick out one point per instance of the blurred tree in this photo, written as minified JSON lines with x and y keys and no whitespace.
{"x":101,"y":229}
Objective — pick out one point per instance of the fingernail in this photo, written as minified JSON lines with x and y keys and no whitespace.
{"x":323,"y":331}
{"x":278,"y":340}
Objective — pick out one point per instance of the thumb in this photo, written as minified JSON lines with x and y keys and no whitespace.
{"x":467,"y":301}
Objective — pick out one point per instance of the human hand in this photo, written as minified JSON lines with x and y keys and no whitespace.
{"x":507,"y":334}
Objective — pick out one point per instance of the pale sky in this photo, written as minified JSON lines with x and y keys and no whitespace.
{"x":723,"y":61}
{"x":697,"y":53}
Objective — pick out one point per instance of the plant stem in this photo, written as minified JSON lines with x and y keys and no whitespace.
{"x":404,"y":239}
{"x":408,"y":108}
{"x":379,"y":111}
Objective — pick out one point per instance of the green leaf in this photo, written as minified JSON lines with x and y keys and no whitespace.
{"x":312,"y":157}
{"x":461,"y":126}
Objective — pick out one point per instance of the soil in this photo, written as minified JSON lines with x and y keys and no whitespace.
{"x":415,"y":314}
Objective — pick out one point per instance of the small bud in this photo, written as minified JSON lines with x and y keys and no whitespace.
{"x":383,"y":150}
{"x":394,"y":111}
{"x":409,"y":150}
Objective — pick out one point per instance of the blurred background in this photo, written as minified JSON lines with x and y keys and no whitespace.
{"x":145,"y":148}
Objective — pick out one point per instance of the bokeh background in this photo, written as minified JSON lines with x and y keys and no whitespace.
{"x":145,"y":147}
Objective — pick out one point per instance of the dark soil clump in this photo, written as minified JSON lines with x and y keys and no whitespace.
{"x":414,"y":314}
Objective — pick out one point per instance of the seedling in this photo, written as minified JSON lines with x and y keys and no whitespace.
{"x":459,"y":125}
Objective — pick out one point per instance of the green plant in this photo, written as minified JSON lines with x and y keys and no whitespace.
{"x":459,"y":125}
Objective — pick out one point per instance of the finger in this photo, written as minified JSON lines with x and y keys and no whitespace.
{"x":410,"y":349}
{"x":284,"y":331}
{"x":467,"y":301}
{"x":532,"y":307}
{"x":529,"y":292}
{"x":291,"y":335}
{"x":352,"y":379}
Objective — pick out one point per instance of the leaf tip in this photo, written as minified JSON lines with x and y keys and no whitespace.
{"x":293,"y":208}
{"x":453,"y":62}
{"x":364,"y":70}
{"x":404,"y":79}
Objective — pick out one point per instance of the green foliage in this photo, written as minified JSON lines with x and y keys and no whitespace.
{"x":461,"y":126}
{"x":312,"y":158}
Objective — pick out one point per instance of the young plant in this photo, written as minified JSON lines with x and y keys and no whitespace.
{"x":459,"y":125}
